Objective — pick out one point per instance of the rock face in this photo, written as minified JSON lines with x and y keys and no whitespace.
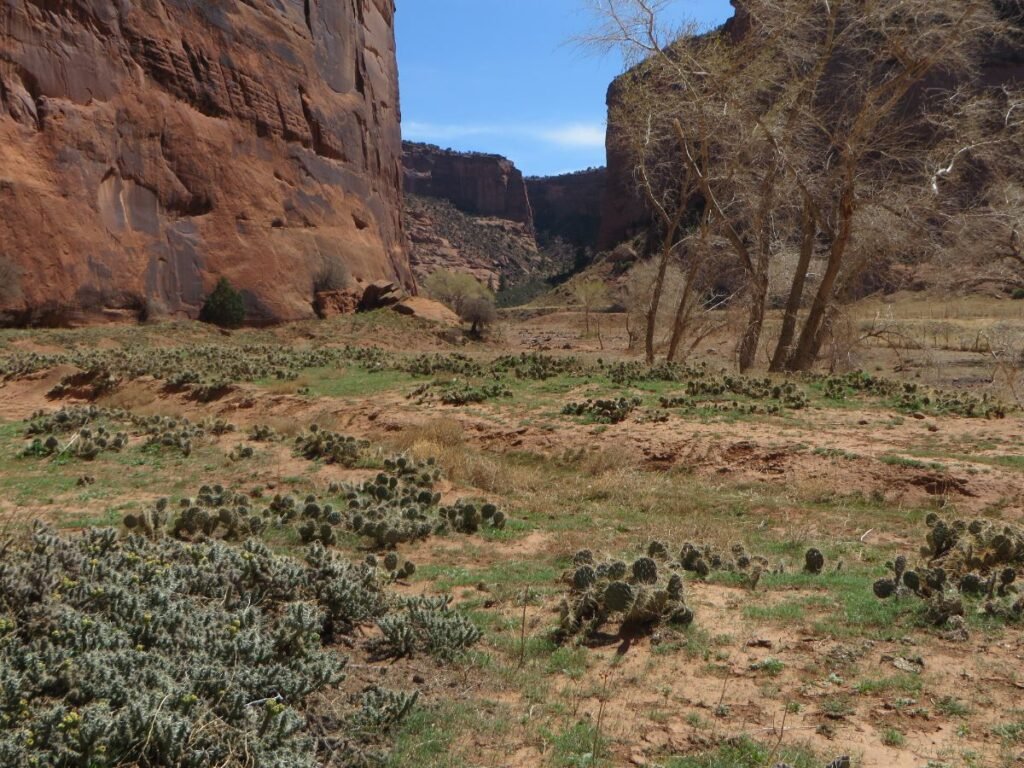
{"x":568,"y":206}
{"x":623,"y":211}
{"x":474,"y":213}
{"x":477,"y":184}
{"x":148,"y":147}
{"x":496,"y":251}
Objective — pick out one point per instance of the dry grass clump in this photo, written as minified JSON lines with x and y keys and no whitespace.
{"x":445,"y":433}
{"x":135,"y":396}
{"x":289,"y":386}
{"x":611,"y":459}
{"x":444,"y":440}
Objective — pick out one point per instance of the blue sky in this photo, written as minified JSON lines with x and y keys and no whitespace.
{"x":504,"y":76}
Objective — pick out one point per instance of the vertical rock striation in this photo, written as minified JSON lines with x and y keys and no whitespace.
{"x":148,"y":147}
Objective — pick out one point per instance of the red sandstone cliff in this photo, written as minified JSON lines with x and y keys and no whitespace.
{"x":568,"y":206}
{"x":476,"y":183}
{"x":149,"y":146}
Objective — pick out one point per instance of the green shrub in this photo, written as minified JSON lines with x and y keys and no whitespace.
{"x":224,"y":306}
{"x":455,"y":289}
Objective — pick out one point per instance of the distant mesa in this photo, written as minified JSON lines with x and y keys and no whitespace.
{"x":476,"y":183}
{"x":474,"y":212}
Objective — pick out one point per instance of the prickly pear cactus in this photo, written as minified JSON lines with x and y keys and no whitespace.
{"x":814,"y":561}
{"x":637,"y":595}
{"x":645,"y":570}
{"x":966,"y":560}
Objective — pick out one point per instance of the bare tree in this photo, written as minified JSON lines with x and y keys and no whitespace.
{"x":792,"y":128}
{"x":978,"y":183}
{"x":589,"y":293}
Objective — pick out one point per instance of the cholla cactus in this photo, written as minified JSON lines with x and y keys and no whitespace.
{"x":426,"y":625}
{"x":170,"y":625}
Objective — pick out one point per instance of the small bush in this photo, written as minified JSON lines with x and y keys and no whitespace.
{"x":1018,"y":294}
{"x":159,"y":653}
{"x":224,"y":306}
{"x":333,"y":275}
{"x":479,"y":313}
{"x":456,"y":289}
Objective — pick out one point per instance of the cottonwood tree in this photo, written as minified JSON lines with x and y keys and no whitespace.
{"x":589,"y":294}
{"x":978,"y":184}
{"x":637,"y":121}
{"x":792,"y":129}
{"x":480,"y":313}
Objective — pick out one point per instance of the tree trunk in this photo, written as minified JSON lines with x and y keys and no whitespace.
{"x":659,"y":286}
{"x":687,"y":302}
{"x":752,"y":333}
{"x":796,"y":293}
{"x":682,"y":319}
{"x":806,"y":353}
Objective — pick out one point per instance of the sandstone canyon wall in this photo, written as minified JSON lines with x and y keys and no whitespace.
{"x":476,"y":183}
{"x":568,"y":206}
{"x":148,"y":147}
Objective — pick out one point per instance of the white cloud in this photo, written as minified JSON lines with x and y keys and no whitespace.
{"x":575,"y":135}
{"x":569,"y":135}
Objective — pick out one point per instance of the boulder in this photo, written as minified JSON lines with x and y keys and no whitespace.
{"x":426,"y":309}
{"x":333,"y":303}
{"x":380,"y":294}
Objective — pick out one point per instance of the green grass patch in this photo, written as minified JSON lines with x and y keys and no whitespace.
{"x":352,"y":381}
{"x":771,"y":666}
{"x":893,"y":738}
{"x":568,"y":661}
{"x":578,"y":746}
{"x":903,"y":461}
{"x":908,"y":684}
{"x":746,"y":753}
{"x":952,"y":707}
{"x":425,"y":737}
{"x":1012,"y":732}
